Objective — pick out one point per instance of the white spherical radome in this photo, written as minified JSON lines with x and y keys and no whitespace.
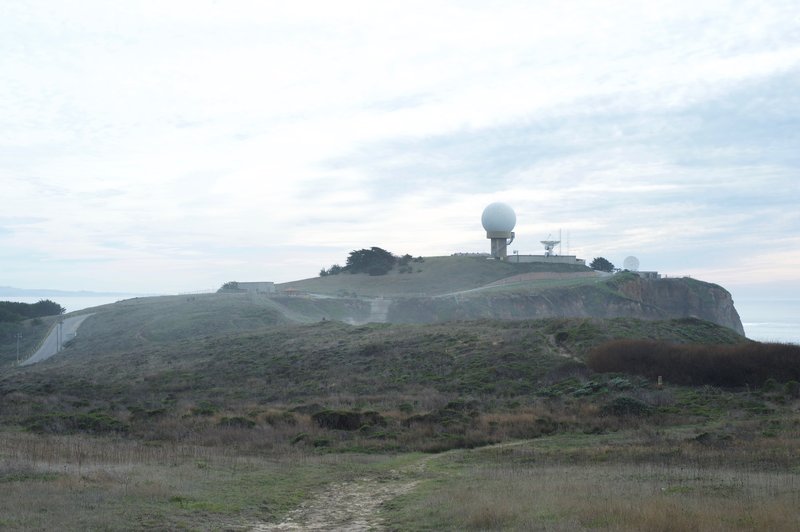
{"x":631,"y":263}
{"x":498,"y":217}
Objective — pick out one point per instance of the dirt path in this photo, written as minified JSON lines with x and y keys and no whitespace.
{"x":354,"y":506}
{"x":347,"y":506}
{"x":560,"y":350}
{"x":351,"y":506}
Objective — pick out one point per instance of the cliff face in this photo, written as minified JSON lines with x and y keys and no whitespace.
{"x":686,"y":298}
{"x":621,"y":296}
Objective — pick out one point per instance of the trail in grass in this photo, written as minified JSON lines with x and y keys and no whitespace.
{"x":351,"y":506}
{"x":354,"y":505}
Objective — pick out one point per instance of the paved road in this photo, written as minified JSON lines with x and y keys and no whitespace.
{"x":50,"y":346}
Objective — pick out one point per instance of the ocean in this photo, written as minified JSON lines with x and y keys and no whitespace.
{"x":770,"y":320}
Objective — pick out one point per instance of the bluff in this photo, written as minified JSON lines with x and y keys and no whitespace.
{"x":624,"y":295}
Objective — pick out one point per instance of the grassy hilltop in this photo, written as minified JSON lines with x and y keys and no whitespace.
{"x":468,"y":288}
{"x":241,"y":411}
{"x":433,"y":276}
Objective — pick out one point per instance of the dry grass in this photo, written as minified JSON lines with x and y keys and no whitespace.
{"x":84,"y":483}
{"x":609,"y":485}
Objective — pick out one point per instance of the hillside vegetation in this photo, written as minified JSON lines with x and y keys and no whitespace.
{"x":191,"y":383}
{"x":255,"y":411}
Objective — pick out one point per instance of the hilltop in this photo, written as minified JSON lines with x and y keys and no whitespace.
{"x":440,"y":289}
{"x":430,"y":276}
{"x":465,"y":288}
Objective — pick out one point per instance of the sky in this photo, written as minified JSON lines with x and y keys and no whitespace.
{"x":170,"y":146}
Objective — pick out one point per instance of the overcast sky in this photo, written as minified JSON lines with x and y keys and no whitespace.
{"x":170,"y":146}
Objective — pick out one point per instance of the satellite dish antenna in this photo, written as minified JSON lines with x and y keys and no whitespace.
{"x":549,"y":246}
{"x":631,"y":263}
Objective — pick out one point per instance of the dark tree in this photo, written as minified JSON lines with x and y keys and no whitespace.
{"x":333,"y":270}
{"x":45,"y":307}
{"x":230,"y":286}
{"x":13,"y":311}
{"x":374,"y":261}
{"x":601,"y":264}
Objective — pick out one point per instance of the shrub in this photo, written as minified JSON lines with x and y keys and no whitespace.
{"x":627,"y":406}
{"x":750,"y":363}
{"x":204,"y":408}
{"x":346,"y":420}
{"x":406,"y":408}
{"x":238,"y":422}
{"x":64,"y":423}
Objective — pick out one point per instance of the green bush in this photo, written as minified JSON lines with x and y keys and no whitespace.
{"x":347,"y":420}
{"x":67,"y":423}
{"x":238,"y":422}
{"x":627,"y":406}
{"x":204,"y":408}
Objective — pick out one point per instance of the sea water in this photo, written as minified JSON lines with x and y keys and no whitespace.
{"x":770,"y":320}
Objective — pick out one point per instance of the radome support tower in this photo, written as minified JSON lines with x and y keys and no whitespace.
{"x":498,"y":220}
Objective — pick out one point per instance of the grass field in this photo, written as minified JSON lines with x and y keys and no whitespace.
{"x":631,"y":480}
{"x":644,"y":478}
{"x":434,"y":276}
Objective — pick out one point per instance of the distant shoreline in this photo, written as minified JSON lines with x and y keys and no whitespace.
{"x":10,"y":291}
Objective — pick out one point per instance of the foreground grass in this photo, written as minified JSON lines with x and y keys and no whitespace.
{"x":635,"y":480}
{"x":644,"y":478}
{"x":80,"y":483}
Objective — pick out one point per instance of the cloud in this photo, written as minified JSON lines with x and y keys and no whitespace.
{"x":172,"y":145}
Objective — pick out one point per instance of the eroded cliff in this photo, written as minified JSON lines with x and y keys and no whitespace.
{"x":624,"y":295}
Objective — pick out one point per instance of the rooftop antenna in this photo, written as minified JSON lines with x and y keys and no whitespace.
{"x":559,"y":241}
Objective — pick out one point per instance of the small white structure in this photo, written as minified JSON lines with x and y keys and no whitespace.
{"x":498,"y":220}
{"x":631,"y":263}
{"x":258,"y":287}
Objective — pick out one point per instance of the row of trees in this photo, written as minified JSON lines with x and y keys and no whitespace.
{"x":11,"y":311}
{"x":373,"y":261}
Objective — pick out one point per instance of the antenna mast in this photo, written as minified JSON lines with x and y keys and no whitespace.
{"x":567,"y":241}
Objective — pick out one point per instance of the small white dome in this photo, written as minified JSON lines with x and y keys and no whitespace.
{"x":498,"y":217}
{"x":631,"y":263}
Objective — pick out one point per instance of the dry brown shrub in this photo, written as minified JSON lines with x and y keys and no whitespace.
{"x":749,"y":363}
